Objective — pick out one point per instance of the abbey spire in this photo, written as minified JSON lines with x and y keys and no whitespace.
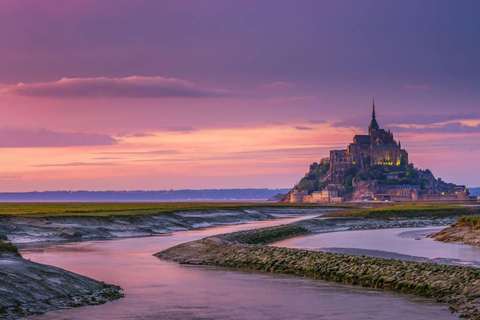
{"x":373,"y":127}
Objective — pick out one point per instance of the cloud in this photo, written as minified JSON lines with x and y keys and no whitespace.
{"x":180,"y":129}
{"x":77,"y":164}
{"x":317,"y":121}
{"x":140,"y":152}
{"x":10,"y":177}
{"x":422,"y":87}
{"x":136,"y":135}
{"x":129,"y":87}
{"x":303,"y":128}
{"x":292,"y":99}
{"x":40,"y":137}
{"x":452,"y":127}
{"x":108,"y":158}
{"x":279,"y":85}
{"x":414,"y":119}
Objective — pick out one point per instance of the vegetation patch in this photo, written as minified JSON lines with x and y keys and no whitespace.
{"x":470,"y":221}
{"x":264,"y":235}
{"x":8,"y":247}
{"x":466,"y":230}
{"x":101,"y":209}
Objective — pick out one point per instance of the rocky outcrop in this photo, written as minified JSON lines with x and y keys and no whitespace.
{"x":457,"y":286}
{"x":458,"y":233}
{"x":28,"y":288}
{"x":364,"y":190}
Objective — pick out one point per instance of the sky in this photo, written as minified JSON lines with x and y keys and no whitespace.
{"x":151,"y":95}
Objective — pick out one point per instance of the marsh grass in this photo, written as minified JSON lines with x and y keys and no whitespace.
{"x":8,"y":247}
{"x":471,"y":221}
{"x":105,"y":209}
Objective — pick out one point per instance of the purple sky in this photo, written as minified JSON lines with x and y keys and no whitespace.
{"x":208,"y":94}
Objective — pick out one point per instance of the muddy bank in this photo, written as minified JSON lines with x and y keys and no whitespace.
{"x":28,"y":288}
{"x":31,"y":229}
{"x":457,"y":286}
{"x":320,"y":225}
{"x":458,"y":233}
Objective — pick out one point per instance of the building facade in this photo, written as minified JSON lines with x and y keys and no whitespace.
{"x":378,"y":147}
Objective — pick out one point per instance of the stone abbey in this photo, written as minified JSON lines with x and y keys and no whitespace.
{"x":378,"y":147}
{"x":373,"y":167}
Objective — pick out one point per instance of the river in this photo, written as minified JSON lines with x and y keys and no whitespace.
{"x":156,"y":289}
{"x":400,"y":243}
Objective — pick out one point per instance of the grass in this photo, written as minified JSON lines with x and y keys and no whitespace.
{"x":8,"y":247}
{"x":420,"y":210}
{"x":105,"y":209}
{"x":471,"y":221}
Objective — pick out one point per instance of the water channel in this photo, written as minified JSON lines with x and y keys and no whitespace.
{"x":156,"y":289}
{"x":399,"y":243}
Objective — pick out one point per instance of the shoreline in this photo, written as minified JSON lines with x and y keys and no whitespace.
{"x":29,"y":288}
{"x":23,"y":230}
{"x":458,"y":234}
{"x":248,"y":250}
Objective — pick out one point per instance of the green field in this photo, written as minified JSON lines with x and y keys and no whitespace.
{"x":127,"y":209}
{"x":407,"y":210}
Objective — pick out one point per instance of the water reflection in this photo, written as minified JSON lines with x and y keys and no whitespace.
{"x":404,"y":241}
{"x":157,"y":289}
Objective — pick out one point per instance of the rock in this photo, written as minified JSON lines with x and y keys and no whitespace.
{"x":28,"y":288}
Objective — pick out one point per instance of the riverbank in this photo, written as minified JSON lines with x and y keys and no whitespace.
{"x":457,"y":286}
{"x":412,"y":211}
{"x":28,"y":288}
{"x":466,"y":230}
{"x":30,"y":228}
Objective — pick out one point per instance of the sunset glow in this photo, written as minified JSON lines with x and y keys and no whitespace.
{"x":137,"y":98}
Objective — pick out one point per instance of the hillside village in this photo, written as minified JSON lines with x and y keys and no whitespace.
{"x":372,"y":167}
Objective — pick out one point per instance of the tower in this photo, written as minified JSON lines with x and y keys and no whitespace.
{"x":373,"y":127}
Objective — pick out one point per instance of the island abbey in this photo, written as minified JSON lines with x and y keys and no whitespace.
{"x":373,"y":167}
{"x":378,"y":147}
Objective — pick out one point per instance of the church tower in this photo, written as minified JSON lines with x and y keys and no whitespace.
{"x":373,"y":127}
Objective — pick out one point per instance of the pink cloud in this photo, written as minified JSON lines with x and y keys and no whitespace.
{"x":422,"y":87}
{"x":279,"y":85}
{"x":303,"y":128}
{"x":129,"y":87}
{"x":292,"y":99}
{"x":77,"y":164}
{"x":34,"y":138}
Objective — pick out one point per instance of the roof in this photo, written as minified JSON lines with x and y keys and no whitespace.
{"x":374,"y":123}
{"x":360,"y":138}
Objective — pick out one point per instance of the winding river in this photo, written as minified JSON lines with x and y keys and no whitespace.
{"x":156,"y":289}
{"x":400,"y":243}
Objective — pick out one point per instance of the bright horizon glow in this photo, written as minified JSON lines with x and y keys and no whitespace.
{"x":197,"y":95}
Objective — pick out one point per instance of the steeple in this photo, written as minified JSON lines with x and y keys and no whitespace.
{"x":373,"y":127}
{"x":373,"y":110}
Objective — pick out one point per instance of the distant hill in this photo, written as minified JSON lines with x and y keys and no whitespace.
{"x":161,"y":195}
{"x":474,"y":191}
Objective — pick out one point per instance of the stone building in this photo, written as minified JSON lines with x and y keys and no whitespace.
{"x":328,"y":194}
{"x":378,"y":147}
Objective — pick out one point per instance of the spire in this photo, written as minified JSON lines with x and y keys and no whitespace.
{"x":373,"y":127}
{"x":373,"y":109}
{"x":399,"y":144}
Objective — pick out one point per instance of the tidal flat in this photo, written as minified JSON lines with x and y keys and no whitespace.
{"x":457,"y":286}
{"x":38,"y":236}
